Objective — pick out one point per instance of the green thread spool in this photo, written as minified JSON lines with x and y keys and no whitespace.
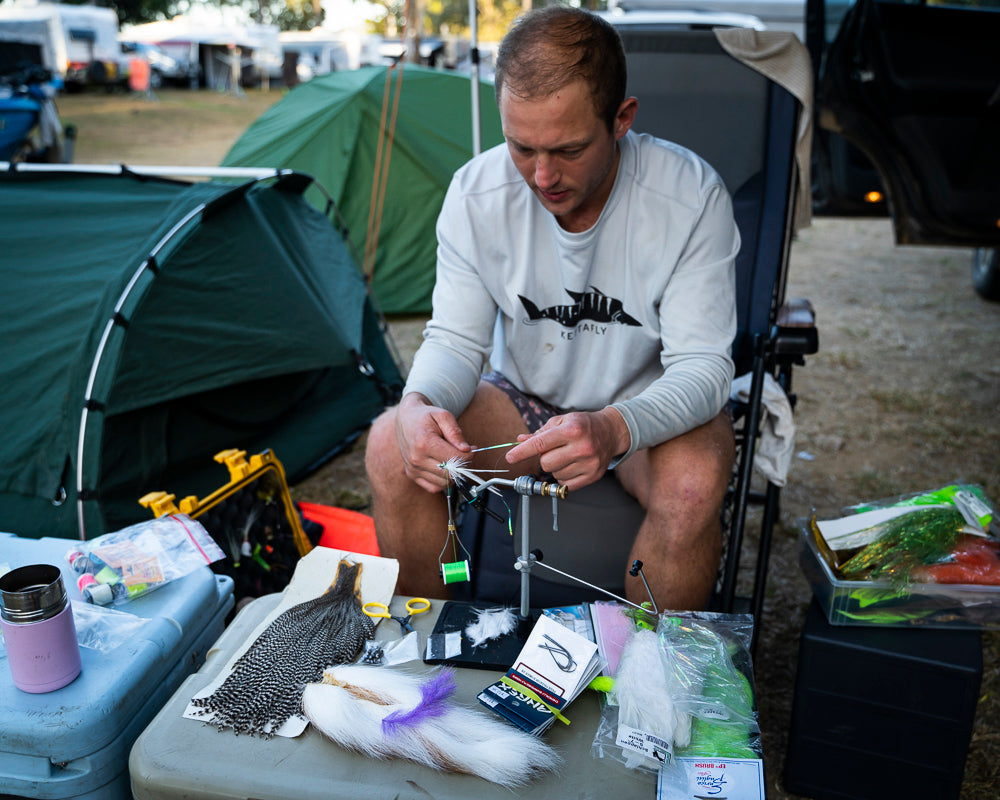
{"x":108,"y":575}
{"x":456,"y":572}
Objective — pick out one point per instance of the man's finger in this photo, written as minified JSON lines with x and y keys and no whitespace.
{"x":448,"y":427}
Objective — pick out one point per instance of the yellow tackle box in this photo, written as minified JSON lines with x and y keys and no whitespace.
{"x":253,"y":520}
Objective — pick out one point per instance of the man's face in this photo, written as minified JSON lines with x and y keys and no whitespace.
{"x":564,"y":151}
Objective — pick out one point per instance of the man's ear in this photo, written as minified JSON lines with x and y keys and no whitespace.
{"x":625,"y":117}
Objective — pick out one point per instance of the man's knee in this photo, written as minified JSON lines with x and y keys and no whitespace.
{"x":693,"y":470}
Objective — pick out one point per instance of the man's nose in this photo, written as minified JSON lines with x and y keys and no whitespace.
{"x":546,"y":172}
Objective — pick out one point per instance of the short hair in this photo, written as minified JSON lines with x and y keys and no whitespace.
{"x":549,"y":48}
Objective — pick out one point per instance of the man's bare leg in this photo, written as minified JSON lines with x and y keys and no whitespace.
{"x":412,"y":524}
{"x":681,"y":484}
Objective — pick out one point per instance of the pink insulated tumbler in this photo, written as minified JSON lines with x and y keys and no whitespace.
{"x":38,"y":631}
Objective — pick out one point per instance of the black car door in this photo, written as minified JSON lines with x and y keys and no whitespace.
{"x":916,"y":87}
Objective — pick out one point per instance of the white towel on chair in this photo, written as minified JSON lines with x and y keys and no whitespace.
{"x":777,"y":431}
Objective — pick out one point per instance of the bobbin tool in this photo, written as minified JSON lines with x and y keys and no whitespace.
{"x":415,"y":605}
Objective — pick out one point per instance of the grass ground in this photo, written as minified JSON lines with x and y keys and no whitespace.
{"x":174,"y":127}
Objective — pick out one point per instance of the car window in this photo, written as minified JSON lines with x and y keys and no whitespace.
{"x":82,"y":35}
{"x":834,"y":10}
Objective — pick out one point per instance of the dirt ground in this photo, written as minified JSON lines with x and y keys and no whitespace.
{"x":903,"y":396}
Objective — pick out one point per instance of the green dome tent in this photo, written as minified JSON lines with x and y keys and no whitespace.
{"x":331,"y":128}
{"x":150,"y":324}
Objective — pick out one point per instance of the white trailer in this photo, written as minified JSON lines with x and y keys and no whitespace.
{"x":35,"y":29}
{"x":89,"y":52}
{"x":320,"y":51}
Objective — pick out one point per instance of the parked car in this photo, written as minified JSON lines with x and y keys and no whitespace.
{"x":844,"y":181}
{"x":774,"y":15}
{"x":914,"y":87}
{"x":163,"y":68}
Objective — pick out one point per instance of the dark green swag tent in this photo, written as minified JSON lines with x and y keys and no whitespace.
{"x":330,"y":128}
{"x":149,"y":324}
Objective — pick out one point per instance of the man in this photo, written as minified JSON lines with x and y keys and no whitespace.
{"x":594,"y":268}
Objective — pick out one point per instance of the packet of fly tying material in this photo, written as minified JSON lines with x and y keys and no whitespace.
{"x":930,"y":559}
{"x":553,"y":667}
{"x":120,"y":566}
{"x":683,"y":706}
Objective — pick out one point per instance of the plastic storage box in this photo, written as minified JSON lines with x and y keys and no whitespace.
{"x":74,"y":742}
{"x":928,"y":605}
{"x":881,"y":713}
{"x":252,"y":518}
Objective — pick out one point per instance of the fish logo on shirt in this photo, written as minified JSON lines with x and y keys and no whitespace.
{"x":593,"y":305}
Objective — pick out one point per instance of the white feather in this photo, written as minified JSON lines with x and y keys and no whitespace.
{"x":459,"y":740}
{"x":458,"y":472}
{"x":490,"y":623}
{"x":644,"y":689}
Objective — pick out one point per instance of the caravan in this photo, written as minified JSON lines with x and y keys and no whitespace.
{"x":35,"y":36}
{"x":79,"y":43}
{"x":92,"y":51}
{"x":319,"y":51}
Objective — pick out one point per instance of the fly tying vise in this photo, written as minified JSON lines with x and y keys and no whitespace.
{"x":473,"y":488}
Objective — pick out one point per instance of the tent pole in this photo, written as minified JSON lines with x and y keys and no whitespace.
{"x":474,"y":55}
{"x":95,"y":365}
{"x":253,"y":173}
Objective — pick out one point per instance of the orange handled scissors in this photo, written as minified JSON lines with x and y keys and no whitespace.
{"x":415,"y":605}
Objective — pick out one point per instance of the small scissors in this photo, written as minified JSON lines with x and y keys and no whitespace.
{"x":415,"y":605}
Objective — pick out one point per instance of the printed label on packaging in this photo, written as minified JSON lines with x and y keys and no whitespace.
{"x":975,"y":511}
{"x":733,"y":779}
{"x":146,"y":570}
{"x":712,"y":713}
{"x":645,"y":743}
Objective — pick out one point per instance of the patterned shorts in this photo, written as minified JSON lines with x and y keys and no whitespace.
{"x":534,"y":411}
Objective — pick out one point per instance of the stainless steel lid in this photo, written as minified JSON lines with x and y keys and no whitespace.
{"x":32,"y":593}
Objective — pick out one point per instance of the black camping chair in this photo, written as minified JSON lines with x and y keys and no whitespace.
{"x":693,"y":92}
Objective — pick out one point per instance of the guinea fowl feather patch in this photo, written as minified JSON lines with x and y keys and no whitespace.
{"x":264,"y":689}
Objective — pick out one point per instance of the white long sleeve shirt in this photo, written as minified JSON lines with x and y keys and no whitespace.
{"x":638,"y":312}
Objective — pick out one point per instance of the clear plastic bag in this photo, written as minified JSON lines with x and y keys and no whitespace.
{"x":117,"y":567}
{"x":104,"y":629}
{"x":693,"y":687}
{"x":390,"y":654}
{"x":97,"y":628}
{"x":939,"y":536}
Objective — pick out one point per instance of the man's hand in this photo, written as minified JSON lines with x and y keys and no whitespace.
{"x":575,"y":448}
{"x":427,"y":435}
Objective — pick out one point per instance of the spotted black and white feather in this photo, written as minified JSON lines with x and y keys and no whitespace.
{"x":265,"y":686}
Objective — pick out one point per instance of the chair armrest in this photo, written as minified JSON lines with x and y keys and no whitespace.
{"x":795,"y":331}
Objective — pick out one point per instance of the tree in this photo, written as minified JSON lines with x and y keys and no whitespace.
{"x":135,"y":11}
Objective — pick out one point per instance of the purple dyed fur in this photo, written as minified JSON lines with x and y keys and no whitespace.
{"x":434,"y":695}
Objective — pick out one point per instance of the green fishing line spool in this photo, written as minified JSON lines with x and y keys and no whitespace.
{"x":456,"y":572}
